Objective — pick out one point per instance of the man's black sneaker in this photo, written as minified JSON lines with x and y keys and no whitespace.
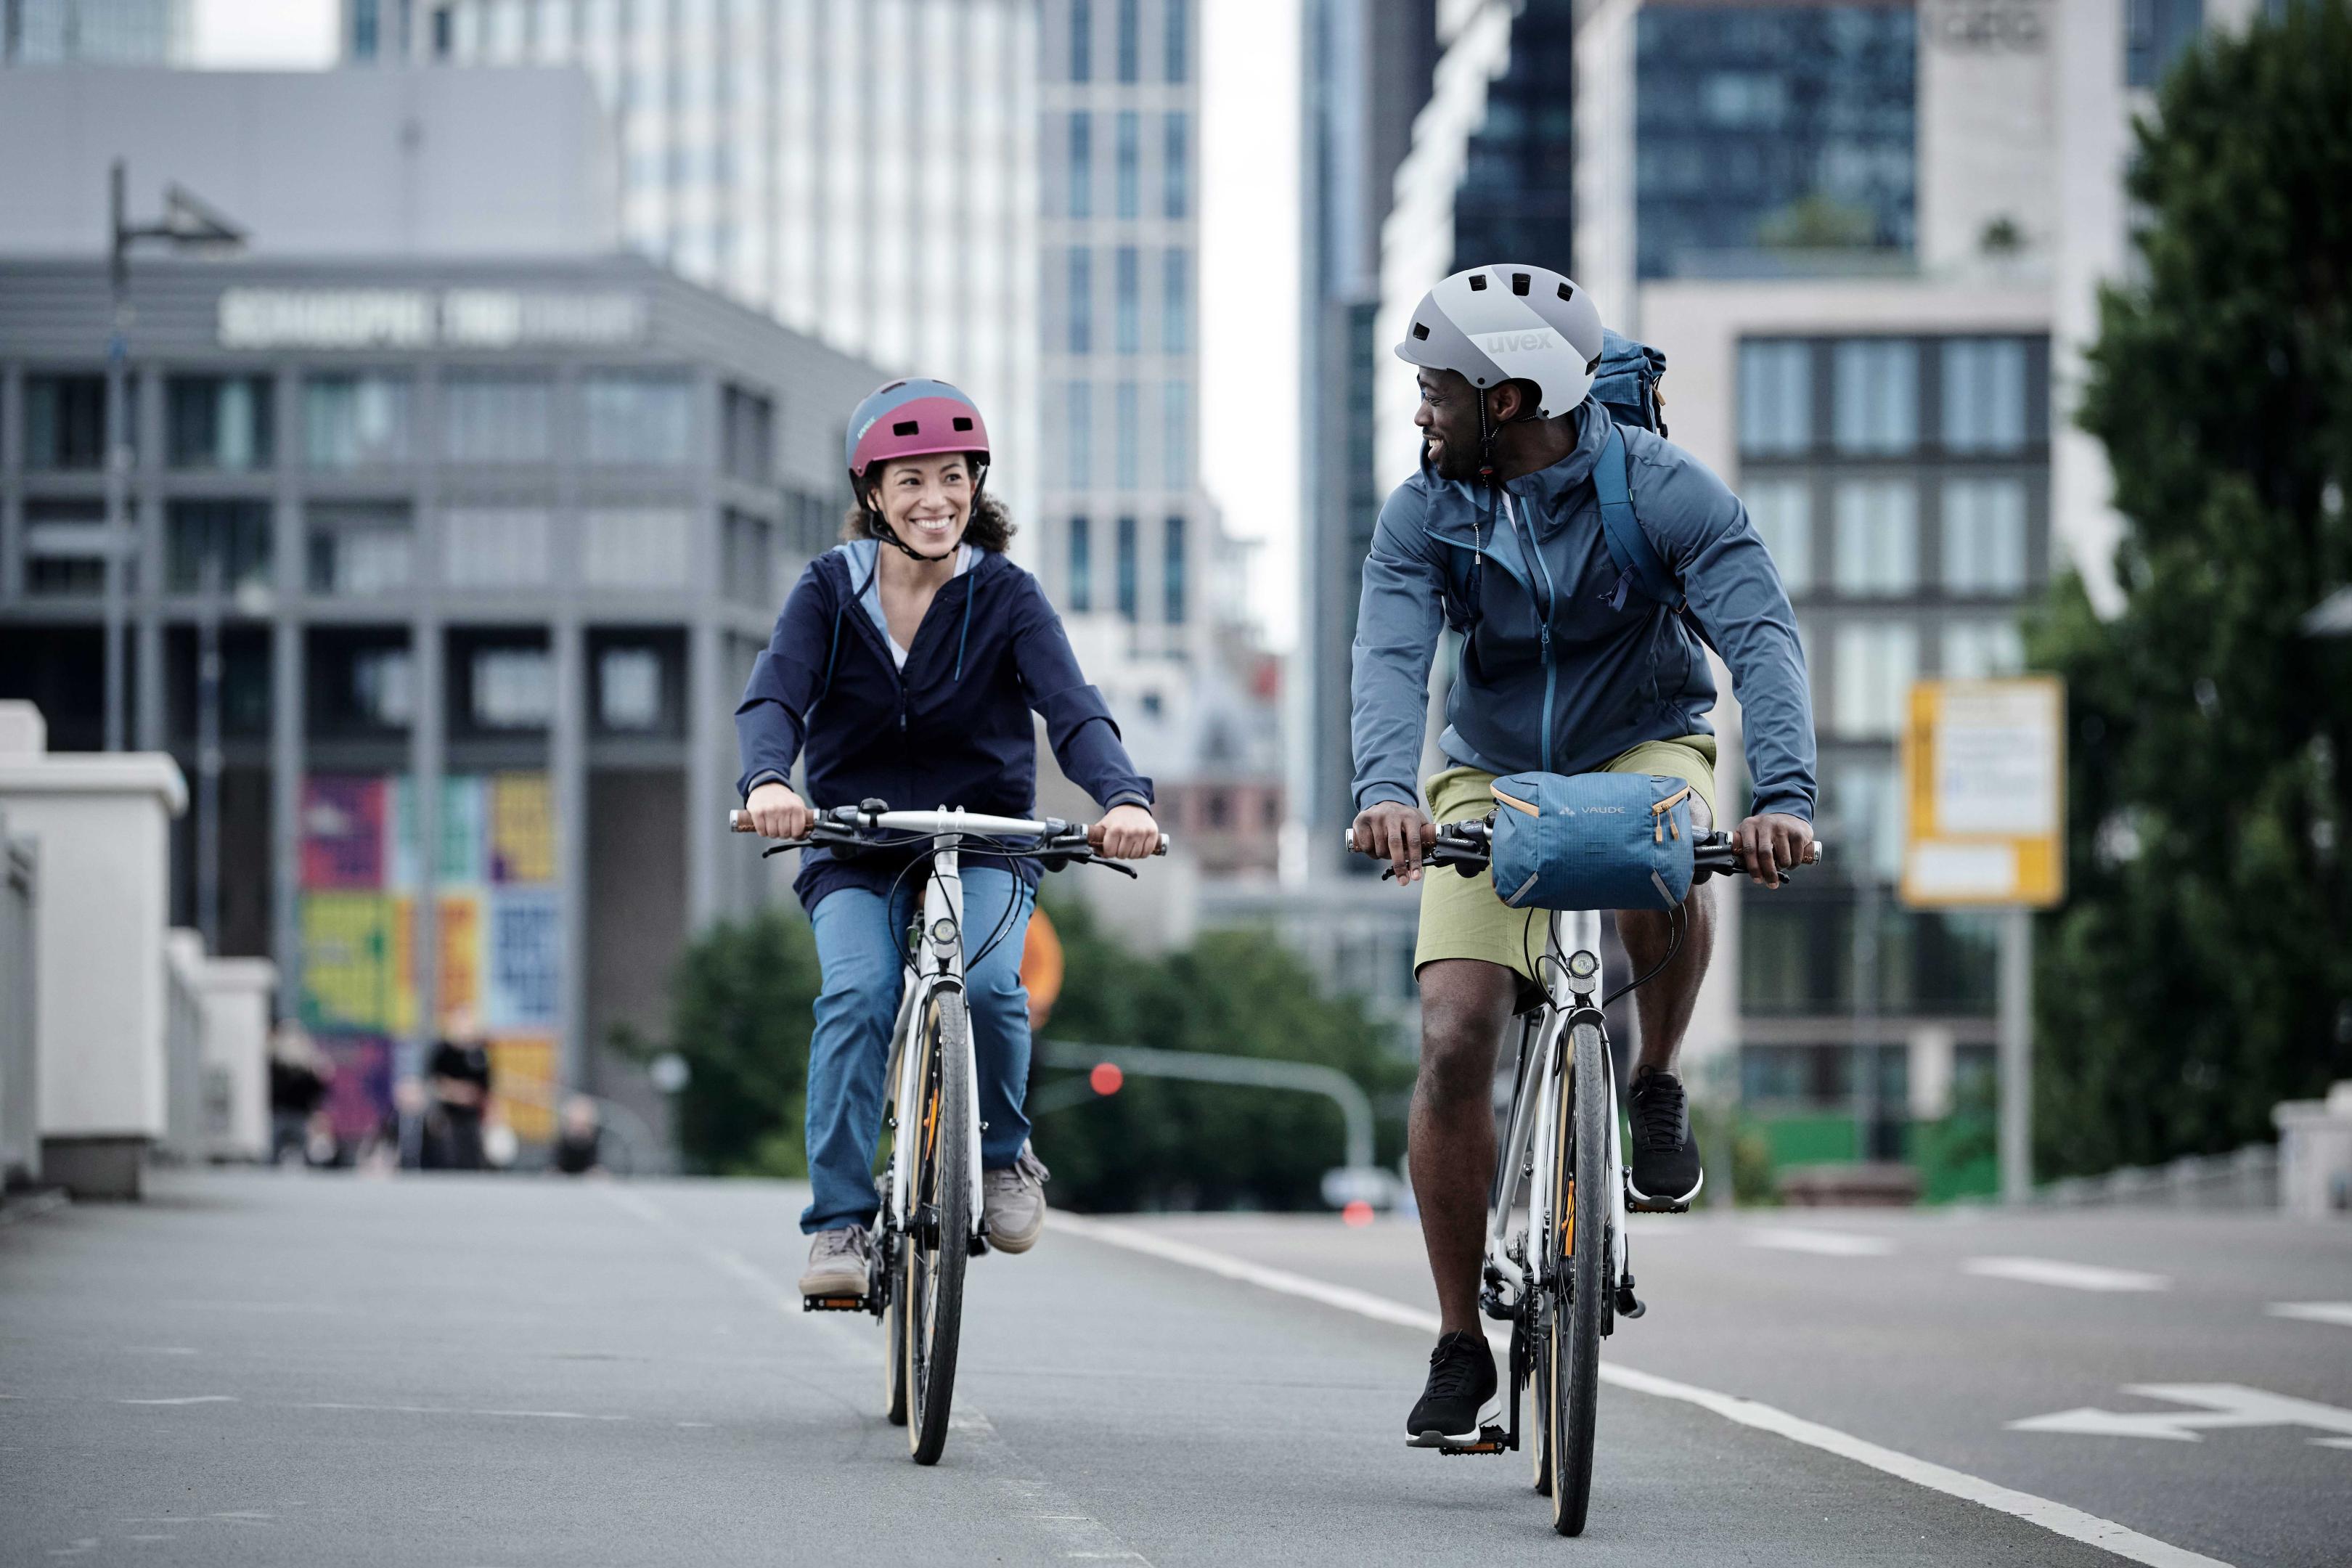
{"x":1665,"y":1155}
{"x":1461,"y":1381}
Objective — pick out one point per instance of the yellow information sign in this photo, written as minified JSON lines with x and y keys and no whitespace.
{"x":1984,"y":776}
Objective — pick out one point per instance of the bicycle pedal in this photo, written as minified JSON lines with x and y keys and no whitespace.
{"x":1628,"y":1304}
{"x":833,"y":1303}
{"x":1638,"y":1205}
{"x":1491,"y":1440}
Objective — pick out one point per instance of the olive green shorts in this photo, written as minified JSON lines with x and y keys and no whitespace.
{"x":1461,"y":918}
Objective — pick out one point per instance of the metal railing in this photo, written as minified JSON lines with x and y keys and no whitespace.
{"x":1251,"y":1072}
{"x":2247,"y":1179}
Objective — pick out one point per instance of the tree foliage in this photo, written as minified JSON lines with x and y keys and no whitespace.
{"x":2202,"y":969}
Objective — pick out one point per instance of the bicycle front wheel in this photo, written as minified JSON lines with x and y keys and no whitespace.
{"x":938,"y":1239}
{"x":1577,"y":1249}
{"x":893,"y":1334}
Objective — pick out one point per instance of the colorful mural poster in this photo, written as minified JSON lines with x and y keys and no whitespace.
{"x":342,"y":831}
{"x":526,"y":957}
{"x":461,"y":954}
{"x":523,"y":1080}
{"x":347,"y":950}
{"x":359,"y":1097}
{"x":522,"y":836}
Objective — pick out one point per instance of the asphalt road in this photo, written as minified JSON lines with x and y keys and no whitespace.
{"x":289,"y":1369}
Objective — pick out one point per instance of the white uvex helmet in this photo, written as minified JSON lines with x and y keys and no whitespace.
{"x":1509,"y":322}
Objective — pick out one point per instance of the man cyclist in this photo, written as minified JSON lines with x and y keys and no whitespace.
{"x":906,"y":662}
{"x":1564,"y":670}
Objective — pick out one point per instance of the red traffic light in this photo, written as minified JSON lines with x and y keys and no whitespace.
{"x":1106,"y":1078}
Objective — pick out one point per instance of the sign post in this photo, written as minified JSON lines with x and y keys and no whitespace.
{"x":1984,"y":776}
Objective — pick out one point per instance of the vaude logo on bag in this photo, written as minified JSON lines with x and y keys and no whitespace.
{"x":1532,"y":340}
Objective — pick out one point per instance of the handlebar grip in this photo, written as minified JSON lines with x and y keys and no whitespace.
{"x":740,"y":821}
{"x":1095,"y":839}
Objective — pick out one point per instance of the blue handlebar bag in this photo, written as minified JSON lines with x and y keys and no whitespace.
{"x":1592,"y":841}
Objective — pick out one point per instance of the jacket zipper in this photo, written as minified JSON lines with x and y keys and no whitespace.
{"x":1551,"y":602}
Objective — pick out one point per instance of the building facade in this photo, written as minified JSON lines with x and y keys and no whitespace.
{"x":440,"y":580}
{"x":95,"y":32}
{"x":865,"y":170}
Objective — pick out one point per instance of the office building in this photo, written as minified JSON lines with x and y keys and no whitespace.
{"x":95,"y":32}
{"x":863,"y":170}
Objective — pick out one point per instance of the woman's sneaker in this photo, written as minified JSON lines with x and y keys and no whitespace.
{"x":1461,"y":1381}
{"x":837,"y":1263}
{"x":1014,"y":1202}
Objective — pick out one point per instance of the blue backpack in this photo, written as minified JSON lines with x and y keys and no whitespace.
{"x":1626,"y":385}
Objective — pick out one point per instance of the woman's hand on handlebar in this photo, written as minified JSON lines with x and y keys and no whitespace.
{"x":777,"y":813}
{"x":1770,"y":844}
{"x":1127,"y":833}
{"x":1394,"y":831}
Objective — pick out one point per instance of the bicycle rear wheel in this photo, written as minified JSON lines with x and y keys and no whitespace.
{"x":1576,"y":1252}
{"x":938,"y":1239}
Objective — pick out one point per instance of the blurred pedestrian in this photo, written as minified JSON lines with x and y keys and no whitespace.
{"x":299,"y":1075}
{"x":579,"y":1139}
{"x":460,"y":1075}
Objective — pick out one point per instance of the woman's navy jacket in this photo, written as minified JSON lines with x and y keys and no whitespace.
{"x":952,"y":729}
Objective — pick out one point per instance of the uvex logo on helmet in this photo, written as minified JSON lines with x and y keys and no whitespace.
{"x":1531,"y":340}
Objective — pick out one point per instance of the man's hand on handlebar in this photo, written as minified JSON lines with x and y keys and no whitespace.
{"x":1126,"y":832}
{"x":777,"y":813}
{"x":1398,"y":833}
{"x":1770,"y":844}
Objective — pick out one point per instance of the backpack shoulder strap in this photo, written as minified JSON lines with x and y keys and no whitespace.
{"x":1637,"y":563}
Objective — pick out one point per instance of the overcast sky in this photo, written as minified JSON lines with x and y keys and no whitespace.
{"x":1249,"y":253}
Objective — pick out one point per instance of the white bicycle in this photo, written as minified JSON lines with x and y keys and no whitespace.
{"x":930,"y":1222}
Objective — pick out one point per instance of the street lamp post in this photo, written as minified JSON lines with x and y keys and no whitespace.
{"x":188,"y":224}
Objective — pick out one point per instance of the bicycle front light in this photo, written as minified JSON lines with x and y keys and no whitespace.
{"x":1583,"y":966}
{"x":943,"y":929}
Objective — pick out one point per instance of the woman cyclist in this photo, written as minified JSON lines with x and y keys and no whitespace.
{"x":905,"y":665}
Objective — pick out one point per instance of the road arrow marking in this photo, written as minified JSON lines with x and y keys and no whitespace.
{"x":2067,"y":1276}
{"x":1821,"y":1243}
{"x":2314,"y":1312}
{"x":2216,"y":1406}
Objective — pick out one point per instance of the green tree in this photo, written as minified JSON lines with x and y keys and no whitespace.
{"x":2202,"y":969}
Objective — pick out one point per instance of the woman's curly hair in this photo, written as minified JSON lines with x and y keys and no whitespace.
{"x":991,"y":527}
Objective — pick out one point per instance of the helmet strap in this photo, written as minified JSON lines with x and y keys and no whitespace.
{"x":879,"y":527}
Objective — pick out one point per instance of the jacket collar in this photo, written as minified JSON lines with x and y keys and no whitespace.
{"x":1546,"y":497}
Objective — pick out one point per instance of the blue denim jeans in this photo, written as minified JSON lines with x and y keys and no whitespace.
{"x":858,"y":942}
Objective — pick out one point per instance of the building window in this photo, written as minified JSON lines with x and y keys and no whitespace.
{"x":1876,"y":395}
{"x":812,"y":522}
{"x":1082,"y":566}
{"x":1978,"y":650}
{"x":1129,"y":164}
{"x":497,"y":419}
{"x":747,"y":434}
{"x":1176,"y":167}
{"x":1127,"y":273}
{"x":1783,"y":511}
{"x":1082,"y":300}
{"x":218,"y":422}
{"x":1874,"y":664}
{"x":494,"y":547}
{"x":511,"y":688}
{"x":750,"y":576}
{"x":629,"y":689}
{"x":1171,"y":570}
{"x":1131,"y":42}
{"x":1877,"y":537}
{"x":355,"y":421}
{"x":1176,"y":301}
{"x":65,"y":548}
{"x":635,"y":547}
{"x":382,"y":690}
{"x":359,"y":550}
{"x":364,"y":29}
{"x":1082,"y":435}
{"x":636,"y":419}
{"x":219,"y":545}
{"x":1776,"y":399}
{"x":1864,"y":808}
{"x":2155,"y":34}
{"x":65,"y":421}
{"x":1176,"y":435}
{"x":1177,"y":18}
{"x":1984,"y":536}
{"x":1984,"y":394}
{"x":1082,"y":43}
{"x":1081,"y":161}
{"x":1127,"y":435}
{"x":1127,"y":567}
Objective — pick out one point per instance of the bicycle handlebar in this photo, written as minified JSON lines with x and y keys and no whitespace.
{"x":1467,"y":847}
{"x":857,"y":825}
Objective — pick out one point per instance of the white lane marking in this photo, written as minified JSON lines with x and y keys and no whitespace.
{"x":191,"y":1399}
{"x":2218,"y":1406}
{"x":1822,"y":1243}
{"x":1079,"y":1536}
{"x":158,"y":1350}
{"x":2055,"y":1517}
{"x":2314,"y":1312}
{"x":459,"y":1410}
{"x":2066,"y":1276}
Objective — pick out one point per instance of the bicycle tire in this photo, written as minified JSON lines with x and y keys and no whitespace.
{"x":937,"y":1252}
{"x":1539,"y":1425}
{"x":893,"y":1335}
{"x":1577,"y":1243}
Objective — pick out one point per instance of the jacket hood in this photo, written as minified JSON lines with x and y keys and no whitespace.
{"x":1543,"y":490}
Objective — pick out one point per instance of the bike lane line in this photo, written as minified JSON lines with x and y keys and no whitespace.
{"x":2057,"y":1517}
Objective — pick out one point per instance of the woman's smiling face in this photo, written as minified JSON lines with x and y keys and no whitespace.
{"x":927,"y":501}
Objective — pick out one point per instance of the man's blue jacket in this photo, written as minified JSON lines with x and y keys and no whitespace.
{"x":1553,"y":679}
{"x":951,"y":728}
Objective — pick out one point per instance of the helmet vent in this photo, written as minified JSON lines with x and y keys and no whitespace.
{"x":1567,"y":291}
{"x":894,"y":386}
{"x":1420,"y":331}
{"x":961,"y":423}
{"x":1477,"y":283}
{"x":906,"y":427}
{"x":1519,"y":283}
